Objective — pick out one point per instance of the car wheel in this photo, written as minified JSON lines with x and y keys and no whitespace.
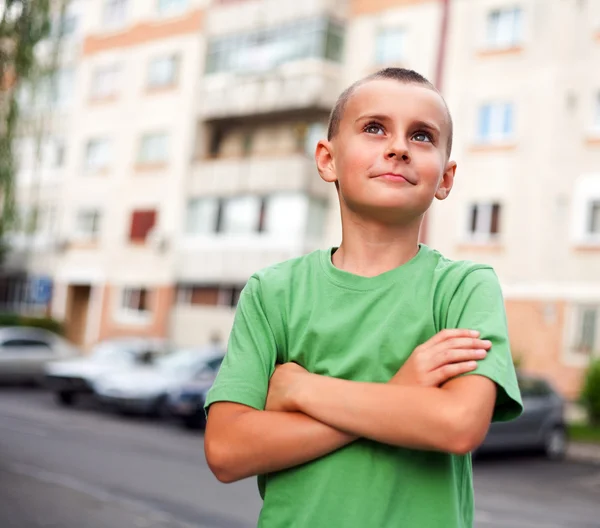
{"x":65,"y":398}
{"x":195,"y":421}
{"x":555,"y":443}
{"x":160,"y":409}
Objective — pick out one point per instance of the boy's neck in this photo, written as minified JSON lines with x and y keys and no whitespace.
{"x":371,"y":248}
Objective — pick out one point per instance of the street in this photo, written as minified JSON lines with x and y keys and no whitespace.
{"x":73,"y":468}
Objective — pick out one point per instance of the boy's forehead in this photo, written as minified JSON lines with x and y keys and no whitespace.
{"x":397,"y":100}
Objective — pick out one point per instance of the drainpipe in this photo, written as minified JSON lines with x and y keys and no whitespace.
{"x":439,"y":79}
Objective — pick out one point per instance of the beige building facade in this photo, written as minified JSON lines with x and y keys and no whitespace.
{"x":189,"y":157}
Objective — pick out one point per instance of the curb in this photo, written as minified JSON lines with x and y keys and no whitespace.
{"x":581,"y":452}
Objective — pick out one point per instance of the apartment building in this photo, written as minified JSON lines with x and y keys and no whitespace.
{"x":131,"y":138}
{"x":188,"y":157}
{"x":254,"y":197}
{"x":527,"y":197}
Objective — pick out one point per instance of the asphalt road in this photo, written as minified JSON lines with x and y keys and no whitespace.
{"x":85,"y":468}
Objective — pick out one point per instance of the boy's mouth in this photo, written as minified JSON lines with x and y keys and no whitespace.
{"x":393,"y":177}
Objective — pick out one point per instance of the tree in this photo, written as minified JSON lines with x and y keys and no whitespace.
{"x":23,"y":25}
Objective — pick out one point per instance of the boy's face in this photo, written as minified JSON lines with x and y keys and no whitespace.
{"x":389,"y":156}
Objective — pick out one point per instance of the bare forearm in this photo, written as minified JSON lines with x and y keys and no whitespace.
{"x":414,"y":417}
{"x":259,"y":442}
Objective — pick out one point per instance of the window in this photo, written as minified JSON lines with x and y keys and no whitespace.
{"x":495,"y":122}
{"x":87,"y":225}
{"x":115,"y":13}
{"x":163,"y":71}
{"x":172,"y":7}
{"x":26,"y":345}
{"x":60,"y":89}
{"x":105,"y":83}
{"x":209,"y":295}
{"x":203,"y":216}
{"x":587,"y":329}
{"x":153,"y":148}
{"x":286,"y":214}
{"x":136,"y":300}
{"x":390,"y":46}
{"x":98,"y":155}
{"x":241,"y":215}
{"x":534,"y":388}
{"x":53,"y":153}
{"x":504,"y":28}
{"x":484,"y":221}
{"x":593,"y":226}
{"x":142,"y":223}
{"x":268,"y":48}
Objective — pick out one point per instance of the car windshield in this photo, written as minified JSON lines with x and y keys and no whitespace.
{"x":181,"y":362}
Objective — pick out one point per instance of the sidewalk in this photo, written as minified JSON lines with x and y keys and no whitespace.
{"x":582,"y":452}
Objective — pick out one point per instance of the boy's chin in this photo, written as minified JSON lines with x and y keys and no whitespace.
{"x":391,"y":212}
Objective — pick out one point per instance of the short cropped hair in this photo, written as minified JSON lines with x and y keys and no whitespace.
{"x":402,"y":75}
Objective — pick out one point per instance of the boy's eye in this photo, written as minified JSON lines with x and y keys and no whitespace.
{"x":423,"y":137}
{"x":374,"y":128}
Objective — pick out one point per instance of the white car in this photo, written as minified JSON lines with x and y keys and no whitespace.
{"x":145,"y":389}
{"x":25,"y":351}
{"x":70,"y":379}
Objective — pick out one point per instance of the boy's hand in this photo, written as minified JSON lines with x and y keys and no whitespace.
{"x":446,"y":355}
{"x":282,"y":386}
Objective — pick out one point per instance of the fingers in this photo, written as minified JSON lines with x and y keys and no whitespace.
{"x":452,"y":370}
{"x":457,"y":355}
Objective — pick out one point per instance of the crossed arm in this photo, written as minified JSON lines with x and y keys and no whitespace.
{"x":308,"y":416}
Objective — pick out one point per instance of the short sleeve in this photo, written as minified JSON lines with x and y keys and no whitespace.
{"x":251,"y":354}
{"x":477,"y":304}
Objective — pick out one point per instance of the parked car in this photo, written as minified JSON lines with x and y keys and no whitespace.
{"x":71,"y":379}
{"x":145,"y":389}
{"x":540,"y":427}
{"x":25,"y":351}
{"x":187,"y":403}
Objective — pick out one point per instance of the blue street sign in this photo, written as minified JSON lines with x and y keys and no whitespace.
{"x":41,"y":290}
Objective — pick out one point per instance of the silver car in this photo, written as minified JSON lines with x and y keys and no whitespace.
{"x":145,"y":389}
{"x":25,"y":352}
{"x":541,"y":426}
{"x":75,"y":377}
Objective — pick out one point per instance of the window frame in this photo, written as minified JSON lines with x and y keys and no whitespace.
{"x":92,"y":236}
{"x":148,"y":137}
{"x":113,"y":22}
{"x":107,"y":143}
{"x":152,"y":84}
{"x":494,"y":38}
{"x":496,"y":122}
{"x":480,"y":222}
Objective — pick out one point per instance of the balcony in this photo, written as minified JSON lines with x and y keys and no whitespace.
{"x":235,"y":259}
{"x":310,"y":84}
{"x":295,"y":173}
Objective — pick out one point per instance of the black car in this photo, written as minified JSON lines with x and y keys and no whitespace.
{"x":541,"y":426}
{"x":187,"y":403}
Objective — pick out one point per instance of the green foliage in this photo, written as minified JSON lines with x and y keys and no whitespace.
{"x":47,"y":323}
{"x":590,"y":395}
{"x":23,"y":25}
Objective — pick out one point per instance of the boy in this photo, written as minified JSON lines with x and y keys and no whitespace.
{"x":343,"y":383}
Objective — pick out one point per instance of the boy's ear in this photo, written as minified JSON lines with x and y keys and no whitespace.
{"x":447,"y":181}
{"x":325,"y":163}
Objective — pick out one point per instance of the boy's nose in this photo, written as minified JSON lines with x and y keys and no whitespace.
{"x":399,"y":152}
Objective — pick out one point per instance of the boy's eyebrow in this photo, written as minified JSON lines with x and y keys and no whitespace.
{"x":427,"y":125}
{"x":375,"y":117}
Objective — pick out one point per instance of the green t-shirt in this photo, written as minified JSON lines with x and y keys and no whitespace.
{"x":346,"y":326}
